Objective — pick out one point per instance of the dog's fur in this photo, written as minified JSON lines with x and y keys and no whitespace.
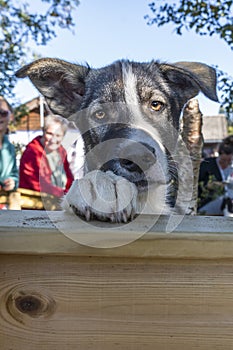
{"x":129,"y":115}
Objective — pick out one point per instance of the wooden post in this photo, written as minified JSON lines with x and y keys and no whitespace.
{"x":192,"y":136}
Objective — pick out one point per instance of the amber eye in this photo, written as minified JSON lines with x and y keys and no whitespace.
{"x":100,"y":114}
{"x":156,"y":106}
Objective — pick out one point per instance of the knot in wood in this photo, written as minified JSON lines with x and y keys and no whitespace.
{"x":29,"y":304}
{"x":21,"y":304}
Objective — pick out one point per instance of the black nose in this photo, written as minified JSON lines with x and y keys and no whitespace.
{"x":130,"y":166}
{"x":137,"y":157}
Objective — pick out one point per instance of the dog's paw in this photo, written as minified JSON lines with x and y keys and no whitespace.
{"x":102,"y":196}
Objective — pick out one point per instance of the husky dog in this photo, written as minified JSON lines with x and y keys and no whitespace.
{"x":129,"y":117}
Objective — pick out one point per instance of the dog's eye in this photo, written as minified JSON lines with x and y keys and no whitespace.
{"x":99,"y":114}
{"x":156,"y":105}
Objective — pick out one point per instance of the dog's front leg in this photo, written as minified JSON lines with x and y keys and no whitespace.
{"x":102,"y":196}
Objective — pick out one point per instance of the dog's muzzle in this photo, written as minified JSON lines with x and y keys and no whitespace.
{"x":133,"y":154}
{"x":133,"y":167}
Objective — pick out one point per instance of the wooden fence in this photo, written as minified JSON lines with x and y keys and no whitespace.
{"x":158,"y":291}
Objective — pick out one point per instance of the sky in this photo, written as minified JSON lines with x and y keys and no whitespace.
{"x":107,"y":30}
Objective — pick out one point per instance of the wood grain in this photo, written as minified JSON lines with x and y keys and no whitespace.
{"x":138,"y":296}
{"x":98,"y":303}
{"x":34,"y":232}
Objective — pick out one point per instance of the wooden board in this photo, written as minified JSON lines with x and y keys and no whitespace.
{"x":138,"y":296}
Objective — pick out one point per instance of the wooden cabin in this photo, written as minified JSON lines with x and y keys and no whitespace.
{"x":30,"y":124}
{"x":214,"y":130}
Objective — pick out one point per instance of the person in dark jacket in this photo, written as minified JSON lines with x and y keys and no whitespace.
{"x":214,"y":172}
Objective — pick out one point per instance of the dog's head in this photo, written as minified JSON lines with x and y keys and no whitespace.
{"x":128,"y":112}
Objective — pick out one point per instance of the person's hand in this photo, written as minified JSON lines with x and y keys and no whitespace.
{"x":215,"y":185}
{"x":8,"y":184}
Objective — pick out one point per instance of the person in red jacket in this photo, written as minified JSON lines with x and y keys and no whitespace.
{"x":44,"y":166}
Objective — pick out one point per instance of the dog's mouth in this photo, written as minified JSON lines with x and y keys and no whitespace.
{"x":131,"y":171}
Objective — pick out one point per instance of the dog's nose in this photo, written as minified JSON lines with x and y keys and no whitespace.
{"x":138,"y":158}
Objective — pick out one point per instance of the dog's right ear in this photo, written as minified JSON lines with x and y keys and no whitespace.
{"x":61,"y":83}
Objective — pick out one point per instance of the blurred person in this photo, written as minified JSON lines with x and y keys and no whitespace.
{"x":214,"y":172}
{"x":44,"y":166}
{"x":74,"y":145}
{"x":228,"y":141}
{"x":8,"y":170}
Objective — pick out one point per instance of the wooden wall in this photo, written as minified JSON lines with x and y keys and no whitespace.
{"x":162,"y":291}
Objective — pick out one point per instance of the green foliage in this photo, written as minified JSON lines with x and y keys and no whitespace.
{"x":225,"y":85}
{"x":19,"y":25}
{"x":208,"y":17}
{"x":205,"y":17}
{"x":230,"y":129}
{"x":20,"y":111}
{"x":210,"y":191}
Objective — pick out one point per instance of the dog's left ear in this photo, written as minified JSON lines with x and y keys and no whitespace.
{"x":191,"y":78}
{"x":60,"y":82}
